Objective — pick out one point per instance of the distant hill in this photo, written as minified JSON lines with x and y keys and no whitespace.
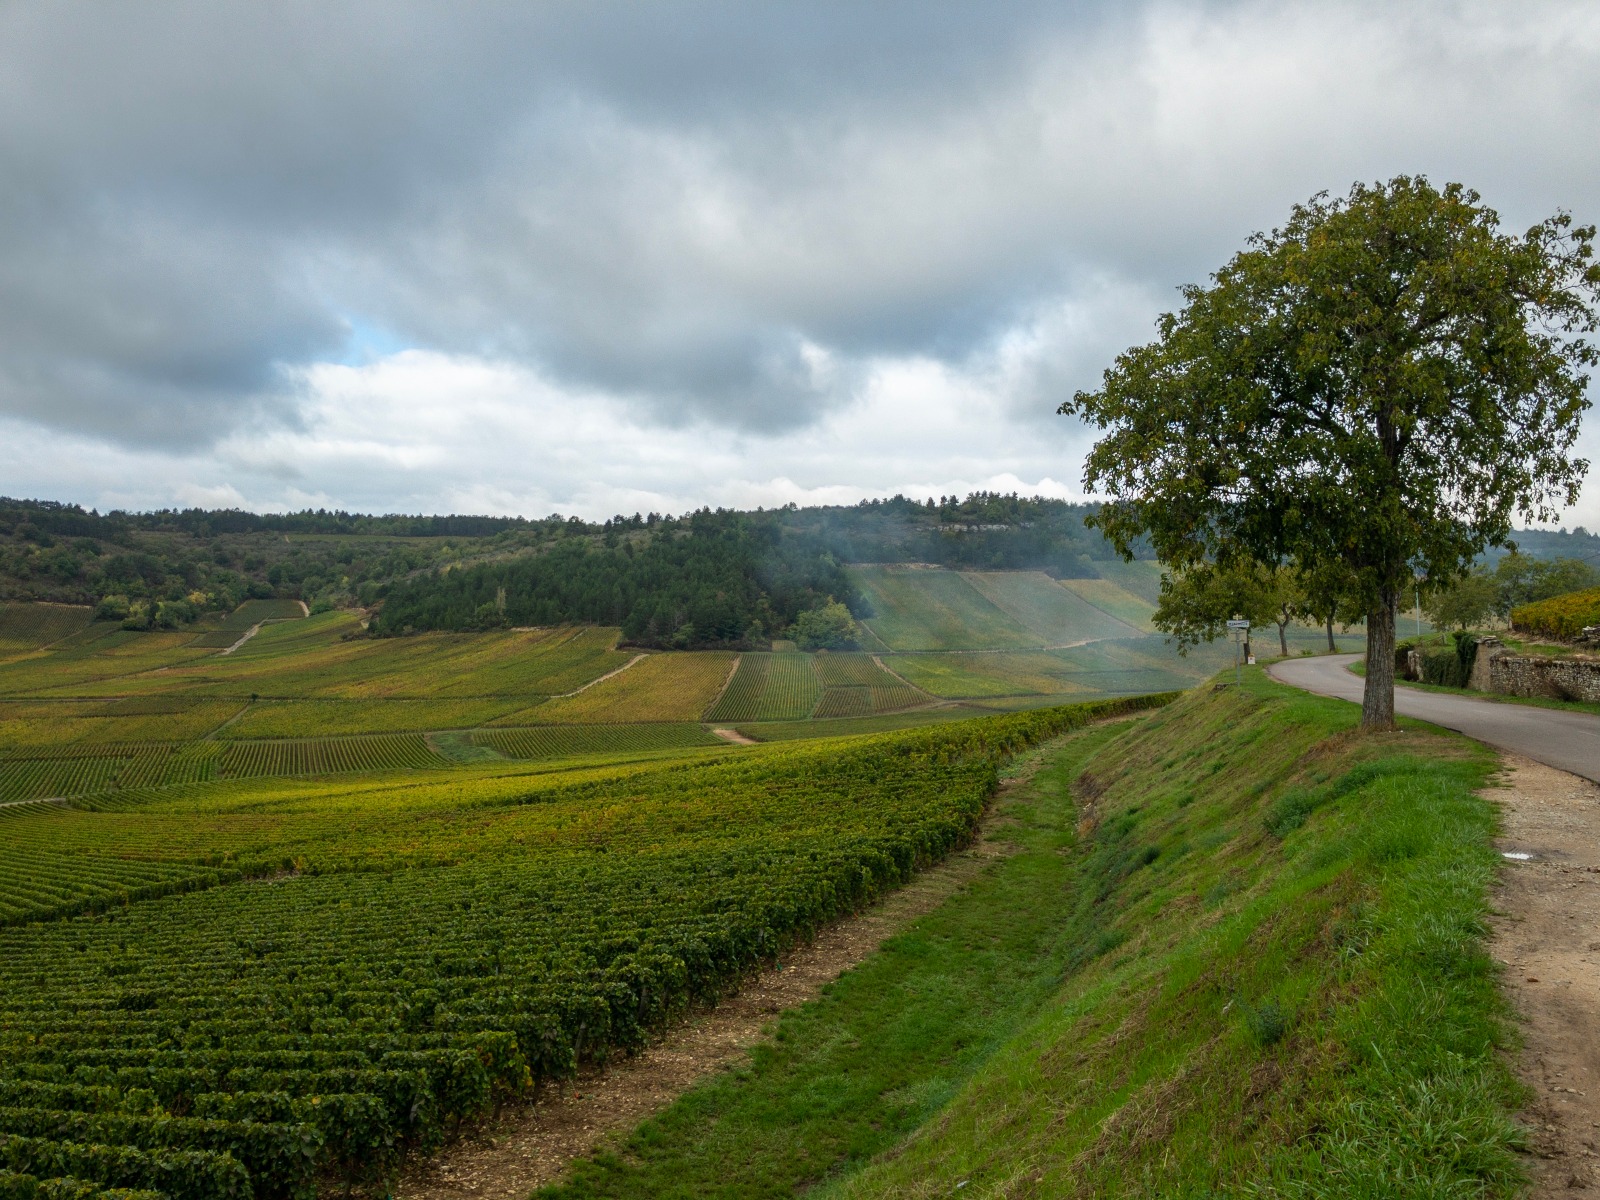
{"x":704,"y":579}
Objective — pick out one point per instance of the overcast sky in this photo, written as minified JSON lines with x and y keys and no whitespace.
{"x":598,"y":258}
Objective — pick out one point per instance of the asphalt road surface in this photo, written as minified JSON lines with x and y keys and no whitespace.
{"x":1560,"y":738}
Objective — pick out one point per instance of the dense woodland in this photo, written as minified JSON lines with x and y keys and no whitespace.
{"x":703,"y":579}
{"x":709,"y":579}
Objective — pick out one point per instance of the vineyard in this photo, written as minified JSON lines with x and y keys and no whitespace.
{"x":249,"y":614}
{"x":108,"y":718}
{"x":919,"y":608}
{"x":965,"y":676}
{"x":1562,"y":617}
{"x":1050,"y":611}
{"x":29,"y":626}
{"x":1112,"y":598}
{"x":567,"y":741}
{"x":35,"y":887}
{"x":53,"y":724}
{"x":331,"y":718}
{"x":658,"y":687}
{"x":769,"y":687}
{"x":850,"y":670}
{"x":37,"y":778}
{"x":278,"y":1037}
{"x":327,"y":756}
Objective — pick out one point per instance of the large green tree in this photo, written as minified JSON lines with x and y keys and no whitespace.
{"x":1380,"y":386}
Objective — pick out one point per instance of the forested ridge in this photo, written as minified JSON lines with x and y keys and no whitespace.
{"x":708,"y":578}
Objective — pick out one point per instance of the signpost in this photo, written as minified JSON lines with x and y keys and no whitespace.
{"x":1240,"y":630}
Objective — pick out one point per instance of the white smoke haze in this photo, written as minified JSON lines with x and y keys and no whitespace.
{"x":601,"y":258}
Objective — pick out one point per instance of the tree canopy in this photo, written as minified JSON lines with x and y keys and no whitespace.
{"x":1489,"y":593}
{"x":1379,"y":386}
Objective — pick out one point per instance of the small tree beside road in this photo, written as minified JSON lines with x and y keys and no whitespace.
{"x":1378,"y":387}
{"x":1197,"y":604}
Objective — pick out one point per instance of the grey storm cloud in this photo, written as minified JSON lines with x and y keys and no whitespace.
{"x":714,"y":212}
{"x":199,"y":195}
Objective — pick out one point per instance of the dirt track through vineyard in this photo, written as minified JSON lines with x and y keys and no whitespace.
{"x":533,"y":1145}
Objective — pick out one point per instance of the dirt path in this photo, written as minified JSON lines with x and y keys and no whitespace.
{"x":532,"y":1146}
{"x":734,"y":736}
{"x":637,"y":658}
{"x":1547,"y":934}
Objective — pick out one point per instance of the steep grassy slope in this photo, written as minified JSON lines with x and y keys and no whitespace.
{"x":920,"y":608}
{"x":1238,"y":952}
{"x":1054,"y":614}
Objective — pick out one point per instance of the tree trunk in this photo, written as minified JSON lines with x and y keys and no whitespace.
{"x":1283,"y":637}
{"x":1333,"y":647}
{"x":1377,"y":699}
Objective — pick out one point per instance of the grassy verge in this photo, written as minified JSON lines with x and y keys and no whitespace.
{"x":1238,"y":952}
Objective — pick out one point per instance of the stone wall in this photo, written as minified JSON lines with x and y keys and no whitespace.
{"x":1529,"y":675}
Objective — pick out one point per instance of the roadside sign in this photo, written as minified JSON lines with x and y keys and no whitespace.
{"x":1240,"y":631}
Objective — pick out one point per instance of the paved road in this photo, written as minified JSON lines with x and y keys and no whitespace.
{"x":1566,"y":740}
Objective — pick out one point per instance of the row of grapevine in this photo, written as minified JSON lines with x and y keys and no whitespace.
{"x":38,"y":778}
{"x":253,"y":612}
{"x":26,"y":626}
{"x":327,"y":756}
{"x":85,"y":769}
{"x":769,"y":687}
{"x":58,"y":729}
{"x":865,"y":701}
{"x":891,"y":697}
{"x":845,"y":702}
{"x":38,"y":886}
{"x":217,"y":639}
{"x":255,"y":1038}
{"x":561,"y":741}
{"x":1564,"y":617}
{"x":849,"y":670}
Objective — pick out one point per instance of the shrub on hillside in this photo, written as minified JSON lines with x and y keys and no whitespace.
{"x":829,"y":627}
{"x":1445,"y":661}
{"x":1561,"y":616}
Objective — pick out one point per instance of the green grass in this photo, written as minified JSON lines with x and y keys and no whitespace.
{"x":1239,"y":952}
